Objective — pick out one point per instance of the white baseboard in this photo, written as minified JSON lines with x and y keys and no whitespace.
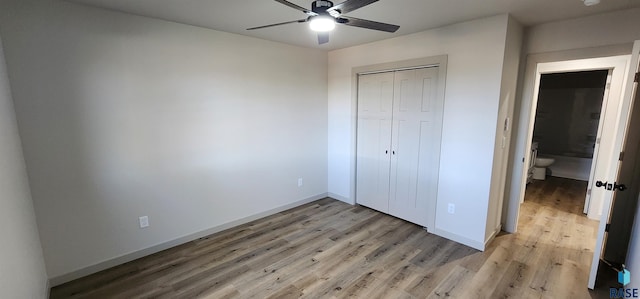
{"x":493,"y":235}
{"x":340,"y":198}
{"x":58,"y":280}
{"x":460,"y":239}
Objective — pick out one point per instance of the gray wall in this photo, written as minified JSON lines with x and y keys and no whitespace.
{"x":124,"y":116}
{"x":23,"y":272}
{"x":618,"y":27}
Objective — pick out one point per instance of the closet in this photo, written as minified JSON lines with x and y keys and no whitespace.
{"x":399,"y":126}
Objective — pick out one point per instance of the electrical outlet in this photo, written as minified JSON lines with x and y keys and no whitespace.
{"x":299,"y":182}
{"x":144,"y":221}
{"x":451,"y":209}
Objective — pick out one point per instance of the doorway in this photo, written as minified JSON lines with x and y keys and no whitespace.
{"x":566,"y":133}
{"x":614,"y":117}
{"x":610,"y":118}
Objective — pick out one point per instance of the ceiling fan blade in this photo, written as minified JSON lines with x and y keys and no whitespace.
{"x":350,"y":21}
{"x":323,"y":38}
{"x":294,"y":6}
{"x":350,"y":5}
{"x":277,"y":24}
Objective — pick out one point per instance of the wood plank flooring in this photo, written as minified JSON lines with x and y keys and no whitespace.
{"x":328,"y":249}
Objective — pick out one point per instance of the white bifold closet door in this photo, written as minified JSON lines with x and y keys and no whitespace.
{"x":398,"y":143}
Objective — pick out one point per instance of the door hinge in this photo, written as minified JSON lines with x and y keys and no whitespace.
{"x":606,"y":227}
{"x":588,"y":192}
{"x":637,"y":78}
{"x":621,"y":156}
{"x":597,"y":140}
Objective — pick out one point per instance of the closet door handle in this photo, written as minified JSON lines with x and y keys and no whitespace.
{"x":393,"y":152}
{"x":386,"y":151}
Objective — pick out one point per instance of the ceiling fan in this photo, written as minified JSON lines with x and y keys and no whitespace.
{"x":323,"y":17}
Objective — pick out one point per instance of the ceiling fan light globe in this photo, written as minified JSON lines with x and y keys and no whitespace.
{"x":322,"y":23}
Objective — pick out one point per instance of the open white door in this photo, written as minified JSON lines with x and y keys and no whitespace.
{"x":614,"y":175}
{"x":595,"y":170}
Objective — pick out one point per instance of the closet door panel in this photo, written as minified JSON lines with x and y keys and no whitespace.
{"x":432,"y":108}
{"x":372,"y":183}
{"x":404,"y":144}
{"x":404,"y":169}
{"x":375,"y":98}
{"x":417,"y":121}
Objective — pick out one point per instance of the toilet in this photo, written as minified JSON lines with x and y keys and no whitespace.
{"x":540,"y":168}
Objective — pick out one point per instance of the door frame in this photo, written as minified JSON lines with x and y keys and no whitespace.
{"x":611,"y":106}
{"x":521,"y":155}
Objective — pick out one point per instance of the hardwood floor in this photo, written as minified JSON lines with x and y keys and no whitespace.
{"x":330,"y":249}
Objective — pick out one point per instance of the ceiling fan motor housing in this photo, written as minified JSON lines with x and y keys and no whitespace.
{"x":320,"y":7}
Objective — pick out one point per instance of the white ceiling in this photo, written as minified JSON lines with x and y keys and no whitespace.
{"x":412,"y":15}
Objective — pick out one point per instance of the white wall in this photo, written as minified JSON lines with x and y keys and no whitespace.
{"x":22,"y":270}
{"x":475,"y":52}
{"x":123,"y":116}
{"x":512,"y":51}
{"x":613,"y":28}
